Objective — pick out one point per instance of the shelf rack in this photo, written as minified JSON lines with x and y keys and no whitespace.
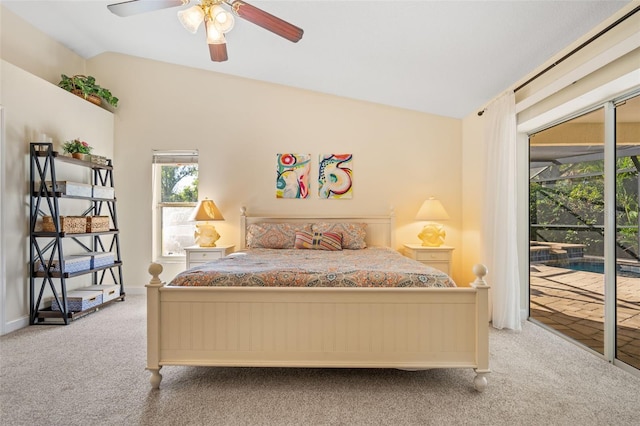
{"x":46,"y":248}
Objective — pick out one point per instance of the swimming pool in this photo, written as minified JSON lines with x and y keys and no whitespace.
{"x":597,"y":266}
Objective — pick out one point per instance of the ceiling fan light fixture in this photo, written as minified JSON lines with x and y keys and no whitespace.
{"x":191,"y":18}
{"x":218,"y":21}
{"x":214,"y":36}
{"x":223,"y":20}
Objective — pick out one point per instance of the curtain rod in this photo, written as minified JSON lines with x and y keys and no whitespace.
{"x":574,"y":51}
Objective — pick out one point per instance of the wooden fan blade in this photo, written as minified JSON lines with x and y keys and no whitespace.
{"x":133,"y":7}
{"x":218,"y":52}
{"x":267,"y":21}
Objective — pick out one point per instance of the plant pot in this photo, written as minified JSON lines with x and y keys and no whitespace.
{"x":80,"y":156}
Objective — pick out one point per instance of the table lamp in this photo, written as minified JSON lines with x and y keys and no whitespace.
{"x":206,"y":234}
{"x":432,"y":235}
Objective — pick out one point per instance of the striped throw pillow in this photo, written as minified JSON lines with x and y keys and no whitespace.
{"x":353,"y":234}
{"x":318,"y":240}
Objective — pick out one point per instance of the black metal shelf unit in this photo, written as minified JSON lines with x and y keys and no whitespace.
{"x":47,"y":266}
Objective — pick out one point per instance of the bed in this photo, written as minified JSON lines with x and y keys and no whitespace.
{"x":407,"y":320}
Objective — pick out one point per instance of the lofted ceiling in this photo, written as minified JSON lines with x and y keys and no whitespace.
{"x":441,"y":57}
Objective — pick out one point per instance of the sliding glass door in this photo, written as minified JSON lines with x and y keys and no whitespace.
{"x":584,"y":265}
{"x":627,"y":334}
{"x":567,"y":228}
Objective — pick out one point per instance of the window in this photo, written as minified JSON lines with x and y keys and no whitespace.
{"x":175,"y":189}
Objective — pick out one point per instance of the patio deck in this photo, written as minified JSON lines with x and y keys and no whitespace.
{"x":572,"y":302}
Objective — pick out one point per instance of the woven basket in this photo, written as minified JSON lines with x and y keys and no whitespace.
{"x":97,"y":223}
{"x":91,"y":98}
{"x":68,"y":224}
{"x":78,"y":92}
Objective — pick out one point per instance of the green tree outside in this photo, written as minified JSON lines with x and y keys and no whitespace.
{"x":569,"y":198}
{"x":174,"y":189}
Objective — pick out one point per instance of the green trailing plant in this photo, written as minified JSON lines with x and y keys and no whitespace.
{"x":86,"y":85}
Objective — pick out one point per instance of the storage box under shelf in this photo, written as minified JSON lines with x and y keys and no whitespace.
{"x":71,"y":188}
{"x":68,"y":224}
{"x":109,"y":291}
{"x":79,"y":300}
{"x":98,"y":259}
{"x":72,"y":263}
{"x":103,"y":192}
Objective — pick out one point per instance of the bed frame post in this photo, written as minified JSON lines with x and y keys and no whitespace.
{"x":482,"y":323}
{"x":243,"y":228}
{"x":153,"y":324}
{"x":392,"y":224}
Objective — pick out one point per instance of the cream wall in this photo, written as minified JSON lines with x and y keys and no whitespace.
{"x":33,"y":106}
{"x":239,"y":125}
{"x":473,"y":193}
{"x":30,"y":49}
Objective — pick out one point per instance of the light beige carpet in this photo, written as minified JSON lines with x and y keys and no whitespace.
{"x":92,"y":373}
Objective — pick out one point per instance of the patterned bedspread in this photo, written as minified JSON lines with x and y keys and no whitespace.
{"x":370,"y":267}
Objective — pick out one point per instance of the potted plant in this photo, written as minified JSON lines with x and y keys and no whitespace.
{"x":77,"y":148}
{"x":86,"y":87}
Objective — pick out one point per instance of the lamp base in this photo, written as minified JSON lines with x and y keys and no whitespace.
{"x":206,"y":235}
{"x":432,"y":235}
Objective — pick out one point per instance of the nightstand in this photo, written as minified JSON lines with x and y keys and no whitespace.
{"x":197,"y":255}
{"x":436,"y":257}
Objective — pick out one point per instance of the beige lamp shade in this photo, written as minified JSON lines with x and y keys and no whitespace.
{"x":432,"y":209}
{"x":433,"y":234}
{"x":206,"y":234}
{"x":205,"y":210}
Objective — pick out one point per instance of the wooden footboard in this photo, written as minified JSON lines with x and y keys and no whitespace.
{"x":409,"y":328}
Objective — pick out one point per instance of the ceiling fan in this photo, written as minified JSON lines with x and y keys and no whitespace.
{"x":218,"y":21}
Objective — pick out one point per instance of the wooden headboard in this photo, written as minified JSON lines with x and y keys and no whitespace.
{"x":380,"y":229}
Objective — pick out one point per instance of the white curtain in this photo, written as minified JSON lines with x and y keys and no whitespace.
{"x":499,"y":215}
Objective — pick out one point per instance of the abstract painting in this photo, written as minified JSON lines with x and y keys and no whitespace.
{"x":335,"y":176}
{"x":293,"y":175}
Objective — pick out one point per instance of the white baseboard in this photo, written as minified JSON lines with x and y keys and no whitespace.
{"x":14,"y":325}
